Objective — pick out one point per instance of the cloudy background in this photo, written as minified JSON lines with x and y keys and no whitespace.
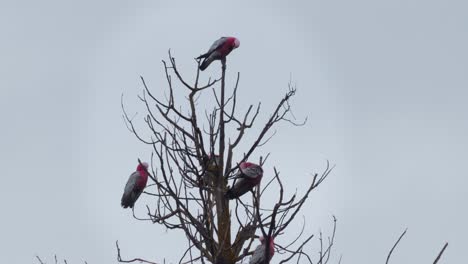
{"x":383,"y":85}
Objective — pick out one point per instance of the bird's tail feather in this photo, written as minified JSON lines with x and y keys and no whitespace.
{"x":203,"y":56}
{"x":206,"y":62}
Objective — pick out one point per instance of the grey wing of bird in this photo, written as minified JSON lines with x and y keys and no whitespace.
{"x":252,"y":171}
{"x":258,"y":255}
{"x":132,"y":181}
{"x":129,"y":196}
{"x":217,"y":44}
{"x":213,"y":47}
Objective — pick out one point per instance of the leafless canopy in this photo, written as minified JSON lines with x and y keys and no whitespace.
{"x":183,"y":138}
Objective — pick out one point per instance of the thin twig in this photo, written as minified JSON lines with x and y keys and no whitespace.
{"x":394,"y":246}
{"x":440,"y":253}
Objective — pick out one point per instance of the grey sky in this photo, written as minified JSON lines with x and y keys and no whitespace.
{"x":383,"y":84}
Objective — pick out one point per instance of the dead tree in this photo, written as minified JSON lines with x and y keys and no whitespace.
{"x":189,"y":191}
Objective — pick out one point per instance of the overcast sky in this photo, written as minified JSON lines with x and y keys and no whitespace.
{"x":382,"y":84}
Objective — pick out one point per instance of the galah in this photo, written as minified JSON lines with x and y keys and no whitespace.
{"x":218,"y":51}
{"x":258,"y":256}
{"x":135,"y":185}
{"x":248,"y":177}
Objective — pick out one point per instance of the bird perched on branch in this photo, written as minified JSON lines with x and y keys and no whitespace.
{"x":258,"y":256}
{"x":248,"y":176}
{"x":218,"y":51}
{"x":135,"y":185}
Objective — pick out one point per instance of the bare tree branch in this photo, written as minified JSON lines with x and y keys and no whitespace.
{"x":189,"y":188}
{"x":39,"y":259}
{"x":440,"y":253}
{"x":119,"y":258}
{"x":394,"y":246}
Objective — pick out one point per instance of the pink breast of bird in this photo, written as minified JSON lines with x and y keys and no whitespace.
{"x":272,"y":248}
{"x":141,"y":183}
{"x":227,"y":47}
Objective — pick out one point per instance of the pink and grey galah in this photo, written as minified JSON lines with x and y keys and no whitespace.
{"x":259,"y":255}
{"x":248,"y":176}
{"x":135,"y":185}
{"x":218,"y":51}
